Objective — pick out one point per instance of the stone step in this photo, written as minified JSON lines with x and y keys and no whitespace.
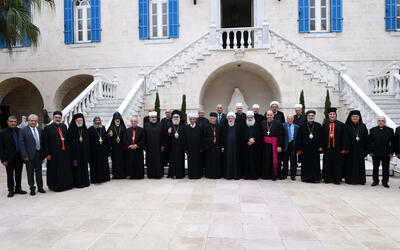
{"x":389,"y":106}
{"x":381,"y":97}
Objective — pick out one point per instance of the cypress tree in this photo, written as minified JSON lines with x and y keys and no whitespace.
{"x":183,"y":109}
{"x":327,"y":106}
{"x":157,"y":105}
{"x":302,"y":101}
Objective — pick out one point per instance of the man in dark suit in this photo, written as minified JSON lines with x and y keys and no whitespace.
{"x":299,"y":117}
{"x":221,"y":117}
{"x":381,"y":150}
{"x":30,"y":141}
{"x":397,"y":142}
{"x":289,"y":149}
{"x":10,"y":156}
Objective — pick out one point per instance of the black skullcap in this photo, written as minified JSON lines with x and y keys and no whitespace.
{"x":310,"y":112}
{"x":213,"y":114}
{"x":332,"y":110}
{"x":57,"y":113}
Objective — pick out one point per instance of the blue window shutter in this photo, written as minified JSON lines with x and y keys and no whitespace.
{"x":304,"y":16}
{"x":144,"y":19}
{"x":68,"y":21}
{"x":390,"y":15}
{"x":96,"y":20}
{"x":173,"y":18}
{"x":3,"y":43}
{"x":25,"y":41}
{"x":336,"y":16}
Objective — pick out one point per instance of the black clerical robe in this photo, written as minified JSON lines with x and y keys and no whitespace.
{"x":156,"y":137}
{"x":212,"y":151}
{"x":176,"y":140}
{"x":272,"y":133}
{"x":299,"y":119}
{"x":333,"y":141}
{"x":252,"y":153}
{"x":231,"y":142}
{"x":308,"y":142}
{"x":165,"y":154}
{"x":396,"y":141}
{"x":117,"y":151}
{"x":56,"y":145}
{"x":99,"y":167}
{"x":241,"y":119}
{"x":357,"y":151}
{"x":259,"y":118}
{"x":80,"y":155}
{"x":194,"y":145}
{"x":134,"y":157}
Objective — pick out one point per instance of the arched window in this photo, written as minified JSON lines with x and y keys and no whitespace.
{"x":82,"y":21}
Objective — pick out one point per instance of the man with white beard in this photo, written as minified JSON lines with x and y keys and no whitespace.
{"x":252,"y":144}
{"x":176,"y":145}
{"x":230,"y":146}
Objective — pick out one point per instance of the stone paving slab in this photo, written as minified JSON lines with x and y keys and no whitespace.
{"x":203,"y":214}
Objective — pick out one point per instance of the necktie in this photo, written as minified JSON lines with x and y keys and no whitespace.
{"x":219,"y":118}
{"x":36,"y":137}
{"x":16,"y":140}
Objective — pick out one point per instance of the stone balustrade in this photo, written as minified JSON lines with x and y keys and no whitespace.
{"x":385,"y":84}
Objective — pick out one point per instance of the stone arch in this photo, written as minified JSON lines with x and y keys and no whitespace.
{"x":70,"y":89}
{"x":19,"y":97}
{"x":255,"y":82}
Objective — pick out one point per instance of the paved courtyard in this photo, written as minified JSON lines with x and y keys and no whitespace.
{"x":203,"y":214}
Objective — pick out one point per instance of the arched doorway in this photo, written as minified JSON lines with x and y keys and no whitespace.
{"x":70,"y":89}
{"x":254,"y":83}
{"x":19,"y":97}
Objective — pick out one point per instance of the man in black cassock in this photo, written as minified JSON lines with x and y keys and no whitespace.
{"x":194,"y":145}
{"x":357,"y":136}
{"x":99,"y":148}
{"x":176,"y":145}
{"x":212,"y":149}
{"x":146,"y":119}
{"x":57,"y":152}
{"x":397,"y":142}
{"x":201,"y":120}
{"x":78,"y":138}
{"x":334,"y":144}
{"x":272,"y":132}
{"x":115,"y":135}
{"x":10,"y":155}
{"x":299,"y":117}
{"x":278,"y":115}
{"x":166,"y":121}
{"x":308,"y":146}
{"x":156,"y":140}
{"x":252,"y":147}
{"x":134,"y":142}
{"x":257,"y":115}
{"x":240,"y":116}
{"x":230,"y":147}
{"x":381,"y":150}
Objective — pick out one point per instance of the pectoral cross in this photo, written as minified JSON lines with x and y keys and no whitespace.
{"x":268,"y":133}
{"x":100,"y":140}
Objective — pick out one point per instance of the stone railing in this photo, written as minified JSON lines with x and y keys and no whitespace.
{"x":133,"y":102}
{"x":98,"y":89}
{"x":239,"y":38}
{"x":385,"y":84}
{"x":169,"y":69}
{"x":352,"y":95}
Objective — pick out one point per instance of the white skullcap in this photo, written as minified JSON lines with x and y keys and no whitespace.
{"x":239,"y":104}
{"x":193,"y":115}
{"x":274,"y":102}
{"x":231,"y":114}
{"x":153,"y":113}
{"x":249,"y":113}
{"x":256,"y":106}
{"x":298,"y":106}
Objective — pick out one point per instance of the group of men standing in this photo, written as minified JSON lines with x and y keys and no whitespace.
{"x":236,"y":145}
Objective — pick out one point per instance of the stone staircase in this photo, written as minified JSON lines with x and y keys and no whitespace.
{"x":104,"y":108}
{"x":390,"y":105}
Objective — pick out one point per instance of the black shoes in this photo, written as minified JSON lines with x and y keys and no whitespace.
{"x":20,"y":191}
{"x":386,"y":185}
{"x":41,"y":190}
{"x":374,"y":184}
{"x":10,"y":194}
{"x":33,"y":192}
{"x":293,"y":178}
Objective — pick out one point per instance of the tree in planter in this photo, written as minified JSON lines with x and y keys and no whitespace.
{"x":183,"y":109}
{"x":302,"y":101}
{"x":157,"y":105}
{"x":327,"y":106}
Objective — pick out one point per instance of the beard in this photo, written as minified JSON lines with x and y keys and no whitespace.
{"x":79,"y":125}
{"x":231,"y":124}
{"x":57,"y":123}
{"x":97,"y":126}
{"x":250,"y":123}
{"x":153,"y":121}
{"x":176,"y":121}
{"x":117,"y":124}
{"x":310,"y":120}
